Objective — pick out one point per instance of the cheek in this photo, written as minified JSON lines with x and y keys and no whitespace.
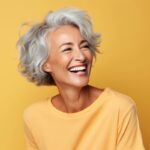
{"x":60,"y":62}
{"x":89,"y":57}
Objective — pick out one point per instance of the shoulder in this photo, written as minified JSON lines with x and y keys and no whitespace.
{"x":34,"y":110}
{"x":120,"y":97}
{"x":120,"y":101}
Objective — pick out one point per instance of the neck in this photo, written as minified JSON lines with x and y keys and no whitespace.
{"x":73,"y":98}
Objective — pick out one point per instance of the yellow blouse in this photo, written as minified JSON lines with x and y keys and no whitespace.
{"x":109,"y":123}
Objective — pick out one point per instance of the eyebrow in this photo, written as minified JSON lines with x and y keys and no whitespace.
{"x":70,"y":43}
{"x":67,"y":43}
{"x":83,"y":41}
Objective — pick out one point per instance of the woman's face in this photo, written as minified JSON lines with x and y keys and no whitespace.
{"x":70,"y":58}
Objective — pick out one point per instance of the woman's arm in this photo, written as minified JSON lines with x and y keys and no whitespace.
{"x":29,"y":139}
{"x":129,"y":133}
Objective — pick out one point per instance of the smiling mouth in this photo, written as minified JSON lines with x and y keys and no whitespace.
{"x":78,"y":69}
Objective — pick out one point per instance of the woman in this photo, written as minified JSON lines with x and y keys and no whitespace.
{"x":59,"y":51}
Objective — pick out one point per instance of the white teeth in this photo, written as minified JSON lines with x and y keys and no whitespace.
{"x":78,"y":68}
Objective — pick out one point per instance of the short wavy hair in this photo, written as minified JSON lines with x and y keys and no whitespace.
{"x":33,"y":45}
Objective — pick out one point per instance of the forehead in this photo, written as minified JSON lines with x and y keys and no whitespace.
{"x":65,"y":33}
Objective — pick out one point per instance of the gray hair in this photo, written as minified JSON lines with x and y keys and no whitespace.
{"x":33,"y":45}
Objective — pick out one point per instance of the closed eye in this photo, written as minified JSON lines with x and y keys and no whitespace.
{"x":67,"y":49}
{"x":85,"y":46}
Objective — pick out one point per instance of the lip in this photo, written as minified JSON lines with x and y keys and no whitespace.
{"x":77,"y":66}
{"x":80,"y":74}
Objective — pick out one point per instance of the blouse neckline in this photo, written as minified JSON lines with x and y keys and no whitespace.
{"x":78,"y":114}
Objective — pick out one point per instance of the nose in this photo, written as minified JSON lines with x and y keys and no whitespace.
{"x":79,"y":55}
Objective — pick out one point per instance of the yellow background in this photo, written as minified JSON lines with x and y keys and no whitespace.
{"x":124,"y":64}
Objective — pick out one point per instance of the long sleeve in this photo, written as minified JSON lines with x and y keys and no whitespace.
{"x":29,"y":140}
{"x":129,"y":134}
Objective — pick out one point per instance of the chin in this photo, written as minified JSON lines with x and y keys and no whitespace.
{"x":80,"y":84}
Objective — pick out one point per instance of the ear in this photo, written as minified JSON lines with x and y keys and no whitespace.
{"x":47,"y":67}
